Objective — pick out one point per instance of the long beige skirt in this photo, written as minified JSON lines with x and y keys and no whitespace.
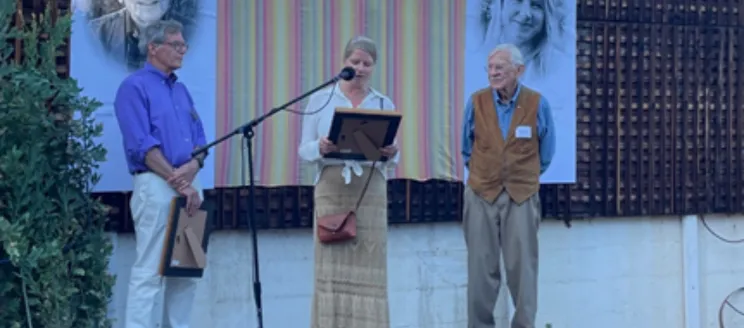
{"x":351,"y":277}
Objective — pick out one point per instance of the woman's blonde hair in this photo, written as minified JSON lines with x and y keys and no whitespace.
{"x":362,"y":43}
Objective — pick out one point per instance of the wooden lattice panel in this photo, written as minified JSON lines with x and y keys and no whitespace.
{"x":657,"y":121}
{"x":26,"y":9}
{"x":676,"y":12}
{"x":595,"y":172}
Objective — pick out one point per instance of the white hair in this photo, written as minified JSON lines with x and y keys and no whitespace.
{"x":516,"y":59}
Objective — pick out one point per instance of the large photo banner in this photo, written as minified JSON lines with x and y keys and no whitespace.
{"x":247,"y":57}
{"x":545,"y":32}
{"x":105,"y":51}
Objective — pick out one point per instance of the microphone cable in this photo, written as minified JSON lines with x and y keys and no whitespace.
{"x":315,"y":111}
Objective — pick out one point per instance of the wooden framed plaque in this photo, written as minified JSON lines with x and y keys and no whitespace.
{"x":186,"y":240}
{"x":360,"y":133}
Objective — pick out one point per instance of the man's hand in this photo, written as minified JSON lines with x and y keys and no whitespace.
{"x":389,"y":151}
{"x":193,"y":201}
{"x":183,"y":176}
{"x":326,"y":146}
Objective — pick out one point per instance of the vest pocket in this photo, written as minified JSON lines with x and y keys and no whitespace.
{"x":484,"y":143}
{"x":525,"y":146}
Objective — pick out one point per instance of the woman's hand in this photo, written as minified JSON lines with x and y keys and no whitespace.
{"x":326,"y":146}
{"x":389,"y":151}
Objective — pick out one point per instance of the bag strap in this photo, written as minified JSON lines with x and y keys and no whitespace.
{"x":366,"y":184}
{"x":369,"y":178}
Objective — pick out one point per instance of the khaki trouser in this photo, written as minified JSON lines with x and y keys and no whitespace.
{"x":490,"y":229}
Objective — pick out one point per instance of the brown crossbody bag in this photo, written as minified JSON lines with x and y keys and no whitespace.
{"x":340,"y":227}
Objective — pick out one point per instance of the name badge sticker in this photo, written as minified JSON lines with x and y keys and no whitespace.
{"x":523,"y":132}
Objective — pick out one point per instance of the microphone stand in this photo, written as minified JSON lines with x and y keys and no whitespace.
{"x":247,"y":131}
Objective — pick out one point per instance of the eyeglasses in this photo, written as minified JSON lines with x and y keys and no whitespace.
{"x":497,"y":69}
{"x":178,"y":46}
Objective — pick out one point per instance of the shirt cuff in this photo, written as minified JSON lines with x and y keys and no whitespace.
{"x":310,"y":151}
{"x":148,"y":143}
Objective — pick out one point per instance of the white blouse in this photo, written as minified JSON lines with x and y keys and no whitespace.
{"x":318,"y":125}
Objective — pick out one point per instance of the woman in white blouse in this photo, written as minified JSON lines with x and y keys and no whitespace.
{"x":350,"y":277}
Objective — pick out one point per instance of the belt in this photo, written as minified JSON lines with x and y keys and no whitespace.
{"x":138,"y":172}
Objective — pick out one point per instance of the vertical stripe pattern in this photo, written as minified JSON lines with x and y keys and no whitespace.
{"x":272,"y":51}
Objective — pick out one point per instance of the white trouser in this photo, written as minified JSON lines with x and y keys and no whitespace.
{"x":150,"y":206}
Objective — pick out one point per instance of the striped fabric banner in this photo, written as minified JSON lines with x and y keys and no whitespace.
{"x":272,"y":51}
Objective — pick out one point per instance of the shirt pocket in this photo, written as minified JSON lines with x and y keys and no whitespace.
{"x":183,"y":106}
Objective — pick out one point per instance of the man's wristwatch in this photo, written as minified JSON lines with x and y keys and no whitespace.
{"x":199,"y":161}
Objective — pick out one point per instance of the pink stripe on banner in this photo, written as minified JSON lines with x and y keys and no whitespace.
{"x":335,"y":58}
{"x":295,"y":123}
{"x":361,"y":18}
{"x":220,"y":102}
{"x":393,"y":26}
{"x":227,"y":74}
{"x":328,"y":33}
{"x":267,"y":39}
{"x":425,"y":80}
{"x":455,"y":114}
{"x":459,"y":75}
{"x":396,"y":67}
{"x":224,"y":99}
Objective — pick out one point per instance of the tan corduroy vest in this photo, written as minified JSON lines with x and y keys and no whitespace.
{"x":512,"y":164}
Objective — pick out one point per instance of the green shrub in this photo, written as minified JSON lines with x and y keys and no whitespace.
{"x":53,"y":250}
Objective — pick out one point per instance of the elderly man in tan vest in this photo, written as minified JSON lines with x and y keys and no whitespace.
{"x":508,"y":142}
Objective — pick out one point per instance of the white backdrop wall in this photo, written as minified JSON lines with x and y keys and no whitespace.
{"x":635,"y":272}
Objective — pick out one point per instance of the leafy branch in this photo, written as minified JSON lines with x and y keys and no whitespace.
{"x":53,"y":249}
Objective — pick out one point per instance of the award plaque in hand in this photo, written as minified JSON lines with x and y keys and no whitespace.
{"x":186,"y":238}
{"x":359,"y":133}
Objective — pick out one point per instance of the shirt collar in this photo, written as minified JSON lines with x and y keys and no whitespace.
{"x":170,"y":78}
{"x":377,"y":93}
{"x":514,"y":97}
{"x":337,"y":91}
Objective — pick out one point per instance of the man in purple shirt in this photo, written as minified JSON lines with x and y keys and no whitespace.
{"x":160,"y":128}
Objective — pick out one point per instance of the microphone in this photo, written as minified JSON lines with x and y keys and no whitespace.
{"x":347,"y":73}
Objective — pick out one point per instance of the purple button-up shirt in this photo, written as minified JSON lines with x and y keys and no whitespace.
{"x":154,"y":110}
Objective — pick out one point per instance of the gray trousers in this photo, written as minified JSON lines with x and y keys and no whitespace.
{"x":491,"y":230}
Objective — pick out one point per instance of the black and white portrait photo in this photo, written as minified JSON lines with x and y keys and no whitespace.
{"x":116,"y":24}
{"x":545,"y":33}
{"x":538,"y":27}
